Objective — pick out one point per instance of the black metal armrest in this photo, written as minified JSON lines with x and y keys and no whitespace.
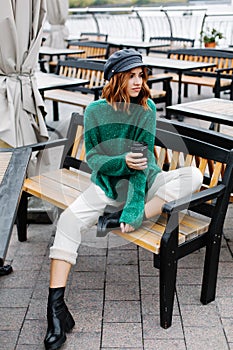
{"x":71,"y":162}
{"x":44,"y":145}
{"x":196,"y":199}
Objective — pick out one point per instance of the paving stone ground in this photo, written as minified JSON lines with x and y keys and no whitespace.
{"x":113,"y":293}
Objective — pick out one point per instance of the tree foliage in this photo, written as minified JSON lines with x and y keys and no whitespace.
{"x":99,"y":3}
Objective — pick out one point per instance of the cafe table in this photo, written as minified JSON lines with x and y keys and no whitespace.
{"x":50,"y":81}
{"x":137,"y":45}
{"x":53,"y":52}
{"x":215,"y":110}
{"x":178,"y":66}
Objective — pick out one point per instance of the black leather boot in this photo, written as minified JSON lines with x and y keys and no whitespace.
{"x":60,"y":320}
{"x":107,"y":223}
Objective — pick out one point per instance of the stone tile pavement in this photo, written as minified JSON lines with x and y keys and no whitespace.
{"x":113,"y":294}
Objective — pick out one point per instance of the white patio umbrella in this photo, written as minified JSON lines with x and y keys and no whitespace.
{"x":22,"y":108}
{"x":57,"y":16}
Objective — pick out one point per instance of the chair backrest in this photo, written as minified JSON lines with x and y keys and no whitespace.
{"x":213,"y":137}
{"x":92,"y":49}
{"x":74,"y":150}
{"x":83,"y":69}
{"x":93,"y":36}
{"x":175,"y":146}
{"x":221,"y":59}
{"x":170,"y":43}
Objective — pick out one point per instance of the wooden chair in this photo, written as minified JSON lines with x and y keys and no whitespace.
{"x":177,"y":233}
{"x":92,"y":49}
{"x":219,"y":77}
{"x":82,"y":96}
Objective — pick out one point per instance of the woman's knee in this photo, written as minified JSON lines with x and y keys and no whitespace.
{"x":197,"y":178}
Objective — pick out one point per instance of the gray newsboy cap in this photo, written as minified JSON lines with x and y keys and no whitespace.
{"x":122,"y":61}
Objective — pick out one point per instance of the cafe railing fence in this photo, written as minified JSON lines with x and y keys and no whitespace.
{"x":139,"y":23}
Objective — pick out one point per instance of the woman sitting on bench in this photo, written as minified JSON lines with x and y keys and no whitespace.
{"x":120,"y":177}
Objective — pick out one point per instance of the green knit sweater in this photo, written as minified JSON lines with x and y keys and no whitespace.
{"x":108,"y":137}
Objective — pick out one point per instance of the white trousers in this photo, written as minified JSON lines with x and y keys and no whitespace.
{"x":83,"y":213}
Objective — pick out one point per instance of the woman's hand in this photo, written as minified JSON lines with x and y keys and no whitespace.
{"x":126,"y":228}
{"x":136,"y":161}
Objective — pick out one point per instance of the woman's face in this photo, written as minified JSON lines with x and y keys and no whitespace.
{"x":134,"y":84}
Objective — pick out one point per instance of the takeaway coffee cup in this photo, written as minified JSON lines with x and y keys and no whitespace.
{"x":140,"y":147}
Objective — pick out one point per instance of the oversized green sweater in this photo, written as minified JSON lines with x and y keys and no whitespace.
{"x":109,"y":135}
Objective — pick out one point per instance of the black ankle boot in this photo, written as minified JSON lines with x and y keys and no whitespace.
{"x":107,"y":223}
{"x":60,"y":320}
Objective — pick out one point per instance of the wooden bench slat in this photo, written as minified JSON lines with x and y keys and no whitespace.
{"x":60,"y":194}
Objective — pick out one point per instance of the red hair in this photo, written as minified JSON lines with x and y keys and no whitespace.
{"x":115,"y":92}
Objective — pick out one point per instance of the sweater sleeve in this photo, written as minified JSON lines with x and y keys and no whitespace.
{"x":134,"y":207}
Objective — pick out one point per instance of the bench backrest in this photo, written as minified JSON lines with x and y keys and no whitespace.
{"x":83,"y":69}
{"x":92,"y":49}
{"x":221,"y":59}
{"x":174,"y":147}
{"x":93,"y":36}
{"x":213,"y":137}
{"x":170,"y":43}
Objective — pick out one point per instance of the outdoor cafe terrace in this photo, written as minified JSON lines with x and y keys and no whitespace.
{"x":113,"y":290}
{"x":110,"y":312}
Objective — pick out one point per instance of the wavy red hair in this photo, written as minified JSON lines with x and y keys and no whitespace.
{"x":115,"y":91}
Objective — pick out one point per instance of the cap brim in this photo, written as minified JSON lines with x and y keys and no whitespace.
{"x":131,"y":66}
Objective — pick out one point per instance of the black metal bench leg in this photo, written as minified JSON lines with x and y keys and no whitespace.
{"x":167,"y":292}
{"x":21,"y":220}
{"x":55,"y":111}
{"x":168,"y":272}
{"x":210,"y":273}
{"x":185,"y":90}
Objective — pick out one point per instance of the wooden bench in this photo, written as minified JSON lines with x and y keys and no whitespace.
{"x":176,"y":234}
{"x":219,"y":77}
{"x":82,"y":96}
{"x":170,"y":43}
{"x":92,"y":49}
{"x":13,"y":167}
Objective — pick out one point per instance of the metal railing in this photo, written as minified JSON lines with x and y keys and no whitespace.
{"x":138,"y":23}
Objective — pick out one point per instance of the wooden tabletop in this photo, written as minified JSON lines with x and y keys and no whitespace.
{"x":4,"y":162}
{"x":51,"y":51}
{"x":144,"y":45}
{"x":49,"y":81}
{"x":215,"y":110}
{"x":13,"y":167}
{"x":175,"y":65}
